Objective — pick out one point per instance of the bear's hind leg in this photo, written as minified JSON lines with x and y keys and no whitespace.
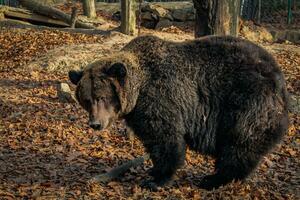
{"x":237,"y":158}
{"x":234,"y":164}
{"x":247,"y":132}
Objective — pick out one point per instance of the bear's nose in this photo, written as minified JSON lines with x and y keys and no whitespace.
{"x":96,"y":126}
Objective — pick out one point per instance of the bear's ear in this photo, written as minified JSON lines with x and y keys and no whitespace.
{"x":118,"y":71}
{"x":75,"y":76}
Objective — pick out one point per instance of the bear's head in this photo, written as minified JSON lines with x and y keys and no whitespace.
{"x":108,"y":88}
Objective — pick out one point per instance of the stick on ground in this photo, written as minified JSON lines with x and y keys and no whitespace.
{"x":120,"y":170}
{"x":73,"y":17}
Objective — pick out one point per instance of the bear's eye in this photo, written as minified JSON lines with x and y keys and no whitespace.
{"x":101,"y":99}
{"x":86,"y":104}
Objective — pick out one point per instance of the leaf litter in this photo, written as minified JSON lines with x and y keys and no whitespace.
{"x":47,"y":151}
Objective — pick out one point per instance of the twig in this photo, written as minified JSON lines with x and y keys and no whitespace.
{"x":116,"y":172}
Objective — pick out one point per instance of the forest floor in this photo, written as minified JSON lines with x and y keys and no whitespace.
{"x":47,"y":150}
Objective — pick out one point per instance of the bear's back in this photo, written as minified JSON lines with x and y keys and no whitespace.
{"x":212,"y":60}
{"x":212,"y":53}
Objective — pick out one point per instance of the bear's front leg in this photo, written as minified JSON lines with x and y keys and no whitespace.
{"x":167,"y":156}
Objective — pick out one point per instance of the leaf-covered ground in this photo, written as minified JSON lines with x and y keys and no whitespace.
{"x":47,"y":151}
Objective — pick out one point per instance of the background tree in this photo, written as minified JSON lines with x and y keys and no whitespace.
{"x":250,"y":9}
{"x":89,"y":8}
{"x":128,"y":17}
{"x":215,"y":17}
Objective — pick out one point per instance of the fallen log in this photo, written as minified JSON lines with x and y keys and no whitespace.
{"x":26,"y":15}
{"x":8,"y":23}
{"x":120,"y":170}
{"x":12,"y":22}
{"x":41,"y":9}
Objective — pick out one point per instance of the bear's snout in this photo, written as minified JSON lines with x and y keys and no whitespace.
{"x":96,"y":126}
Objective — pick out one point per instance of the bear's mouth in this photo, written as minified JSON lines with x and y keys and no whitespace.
{"x":97,"y":127}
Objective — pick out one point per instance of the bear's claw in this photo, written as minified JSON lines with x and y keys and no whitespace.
{"x":210,"y":182}
{"x":150,"y":185}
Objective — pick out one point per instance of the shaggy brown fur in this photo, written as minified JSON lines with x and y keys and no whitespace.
{"x":221,"y":96}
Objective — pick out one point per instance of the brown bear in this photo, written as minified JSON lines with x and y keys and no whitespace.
{"x":220,"y":96}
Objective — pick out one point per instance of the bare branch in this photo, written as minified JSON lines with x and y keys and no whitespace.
{"x":118,"y":171}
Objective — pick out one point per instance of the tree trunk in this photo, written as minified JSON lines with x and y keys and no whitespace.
{"x":89,"y":8}
{"x":258,"y":14}
{"x":250,"y":9}
{"x":215,"y":17}
{"x":128,"y":18}
{"x":234,"y":13}
{"x":289,"y":19}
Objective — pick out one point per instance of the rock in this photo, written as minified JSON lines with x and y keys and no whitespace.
{"x":191,"y":16}
{"x":149,"y":24}
{"x":293,"y":36}
{"x":116,"y":16}
{"x":148,"y":16}
{"x":289,"y":35}
{"x":294,"y":106}
{"x":163,"y":23}
{"x":180,"y":15}
{"x":64,"y":93}
{"x":184,"y":25}
{"x":158,"y":11}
